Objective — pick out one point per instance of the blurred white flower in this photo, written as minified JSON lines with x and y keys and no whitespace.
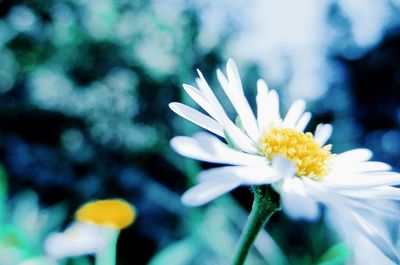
{"x":269,"y":149}
{"x":97,"y":225}
{"x":79,"y":239}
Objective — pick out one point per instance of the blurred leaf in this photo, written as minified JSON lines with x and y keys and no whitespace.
{"x":13,"y":245}
{"x":302,"y":260}
{"x":216,"y":233}
{"x":335,"y":255}
{"x":81,"y":261}
{"x":39,"y":261}
{"x":3,"y":192}
{"x":180,"y":253}
{"x":11,"y":236}
{"x":33,"y":222}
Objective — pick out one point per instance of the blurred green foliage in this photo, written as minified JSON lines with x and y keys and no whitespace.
{"x":24,"y":225}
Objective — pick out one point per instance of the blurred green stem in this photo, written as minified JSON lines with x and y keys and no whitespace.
{"x":265,"y":204}
{"x":108,"y":255}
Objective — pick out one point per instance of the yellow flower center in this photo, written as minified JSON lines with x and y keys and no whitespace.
{"x":310,"y":158}
{"x":113,"y":213}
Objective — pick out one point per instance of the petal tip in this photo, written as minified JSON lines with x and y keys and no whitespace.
{"x":262,"y":85}
{"x":189,"y":201}
{"x":173,"y":106}
{"x":284,"y":166}
{"x":230,"y":61}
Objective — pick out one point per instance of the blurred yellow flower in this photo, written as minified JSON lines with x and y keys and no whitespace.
{"x":114,"y":213}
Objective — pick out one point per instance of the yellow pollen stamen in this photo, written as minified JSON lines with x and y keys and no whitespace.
{"x":113,"y":213}
{"x":310,"y":158}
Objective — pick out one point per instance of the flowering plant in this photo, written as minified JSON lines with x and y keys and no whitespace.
{"x":287,"y":167}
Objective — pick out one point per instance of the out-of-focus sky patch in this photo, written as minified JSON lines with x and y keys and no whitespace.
{"x":290,"y":41}
{"x":368,"y":20}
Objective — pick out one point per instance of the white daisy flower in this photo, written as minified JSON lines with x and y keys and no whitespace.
{"x":269,"y":149}
{"x":77,"y":240}
{"x":96,"y":229}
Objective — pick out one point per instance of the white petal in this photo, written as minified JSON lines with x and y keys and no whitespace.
{"x":234,"y":91}
{"x":355,"y":181}
{"x":237,"y":89}
{"x":273,"y":103}
{"x":207,"y":191}
{"x":362,"y":245}
{"x":381,"y":208}
{"x":240,"y":139}
{"x":371,"y":166}
{"x":79,"y":239}
{"x":364,"y":194}
{"x":346,"y":208}
{"x":205,"y":147}
{"x":211,"y":98}
{"x":221,"y":148}
{"x":303,"y":122}
{"x":245,"y":174}
{"x":343,"y":169}
{"x":294,"y":114}
{"x":322,"y":133}
{"x":197,"y":96}
{"x":197,"y":117}
{"x":296,"y":202}
{"x":208,"y":93}
{"x":355,"y":227}
{"x":264,"y":117}
{"x":373,"y":234}
{"x":285,"y":167}
{"x":233,"y":75}
{"x":341,"y":198}
{"x":386,"y":192}
{"x":353,"y":156}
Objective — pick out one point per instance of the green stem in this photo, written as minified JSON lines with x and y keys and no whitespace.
{"x":265,"y":204}
{"x":108,"y":255}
